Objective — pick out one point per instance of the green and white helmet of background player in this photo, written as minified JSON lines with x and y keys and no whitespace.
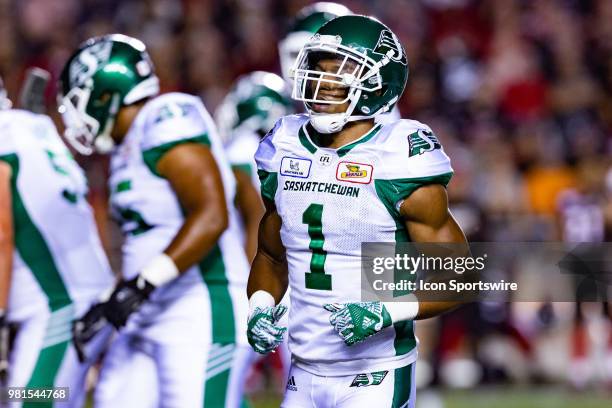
{"x":103,"y":75}
{"x":5,"y":102}
{"x":254,"y":104}
{"x":307,"y":21}
{"x":373,"y":68}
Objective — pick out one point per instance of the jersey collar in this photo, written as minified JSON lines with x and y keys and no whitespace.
{"x":308,"y":143}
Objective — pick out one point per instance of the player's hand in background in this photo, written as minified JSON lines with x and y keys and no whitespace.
{"x":4,"y":348}
{"x":85,"y":328}
{"x":263,"y":333}
{"x":355,"y":322}
{"x":126,"y":299}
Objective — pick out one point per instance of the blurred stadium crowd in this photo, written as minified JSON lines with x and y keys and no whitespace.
{"x":519,"y":93}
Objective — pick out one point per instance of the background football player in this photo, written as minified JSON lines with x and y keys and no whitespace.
{"x":52,"y":265}
{"x":255,"y":102}
{"x":180,"y":306}
{"x":332,"y":179}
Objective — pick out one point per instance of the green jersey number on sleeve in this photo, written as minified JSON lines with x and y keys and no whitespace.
{"x":317,"y":278}
{"x":64,"y":165}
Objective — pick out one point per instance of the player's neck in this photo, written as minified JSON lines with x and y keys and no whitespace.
{"x":123,"y":122}
{"x":349,"y":133}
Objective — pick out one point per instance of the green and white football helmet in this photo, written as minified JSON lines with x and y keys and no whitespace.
{"x":307,"y":21}
{"x":255,"y":102}
{"x":5,"y":102}
{"x":373,"y":68}
{"x":103,"y":75}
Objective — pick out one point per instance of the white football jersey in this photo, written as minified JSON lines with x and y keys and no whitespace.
{"x":150,"y":214}
{"x":58,"y":262}
{"x":241,"y":153}
{"x":330,"y":201}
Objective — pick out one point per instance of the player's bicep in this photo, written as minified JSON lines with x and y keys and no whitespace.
{"x":192,"y":171}
{"x":248,"y":200}
{"x":427,"y":217}
{"x":6,"y":210}
{"x":269,"y":237}
{"x":6,"y":233}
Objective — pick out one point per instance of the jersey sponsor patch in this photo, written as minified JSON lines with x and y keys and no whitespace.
{"x":367,"y":379}
{"x":354,"y":172}
{"x":295,"y":167}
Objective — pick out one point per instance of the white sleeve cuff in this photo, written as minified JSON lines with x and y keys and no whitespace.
{"x":405,"y":310}
{"x":160,"y":270}
{"x":261,"y":299}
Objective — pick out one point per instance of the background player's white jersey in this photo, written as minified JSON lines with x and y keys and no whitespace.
{"x":151,"y":216}
{"x":59,"y":264}
{"x":330,"y":201}
{"x":241,"y":152}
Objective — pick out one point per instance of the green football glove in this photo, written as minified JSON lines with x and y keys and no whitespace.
{"x":355,"y":322}
{"x":263,"y":333}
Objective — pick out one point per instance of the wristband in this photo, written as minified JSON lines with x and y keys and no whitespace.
{"x":406,"y":310}
{"x":160,"y":270}
{"x":260,"y":299}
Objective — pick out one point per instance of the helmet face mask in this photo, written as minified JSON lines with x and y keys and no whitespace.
{"x":307,"y":21}
{"x":83,"y":129}
{"x":355,"y":72}
{"x":372,"y":65}
{"x":105,"y":74}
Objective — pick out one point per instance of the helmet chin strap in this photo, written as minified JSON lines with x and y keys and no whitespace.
{"x":104,"y":143}
{"x":327,"y":123}
{"x":334,"y":122}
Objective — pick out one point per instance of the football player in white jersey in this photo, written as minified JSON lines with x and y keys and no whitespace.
{"x":180,"y":306}
{"x":305,"y":24}
{"x":255,"y":102}
{"x":52,"y":265}
{"x":332,"y":179}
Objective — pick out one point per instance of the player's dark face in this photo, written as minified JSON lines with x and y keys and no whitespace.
{"x":329,"y":91}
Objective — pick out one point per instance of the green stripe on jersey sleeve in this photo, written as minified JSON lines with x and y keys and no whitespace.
{"x":152,"y":156}
{"x":246,"y":168}
{"x":392,"y":191}
{"x":32,"y":247}
{"x":269,"y":184}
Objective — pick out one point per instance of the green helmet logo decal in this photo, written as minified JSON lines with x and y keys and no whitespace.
{"x":86,"y":64}
{"x":389,"y":42}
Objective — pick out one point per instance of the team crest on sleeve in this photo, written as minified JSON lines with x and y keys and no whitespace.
{"x":354,"y":172}
{"x":422,"y":141}
{"x":295,"y":167}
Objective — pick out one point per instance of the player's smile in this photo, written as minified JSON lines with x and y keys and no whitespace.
{"x":330,"y":91}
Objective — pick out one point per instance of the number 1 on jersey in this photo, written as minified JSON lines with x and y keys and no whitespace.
{"x":316,"y":278}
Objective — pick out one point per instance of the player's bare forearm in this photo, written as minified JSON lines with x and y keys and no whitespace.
{"x":269,"y":269}
{"x":251,"y":210}
{"x":428,"y":220}
{"x":195,"y":178}
{"x":6,"y":234}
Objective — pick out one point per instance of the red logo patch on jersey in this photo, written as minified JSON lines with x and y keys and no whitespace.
{"x":354,"y":172}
